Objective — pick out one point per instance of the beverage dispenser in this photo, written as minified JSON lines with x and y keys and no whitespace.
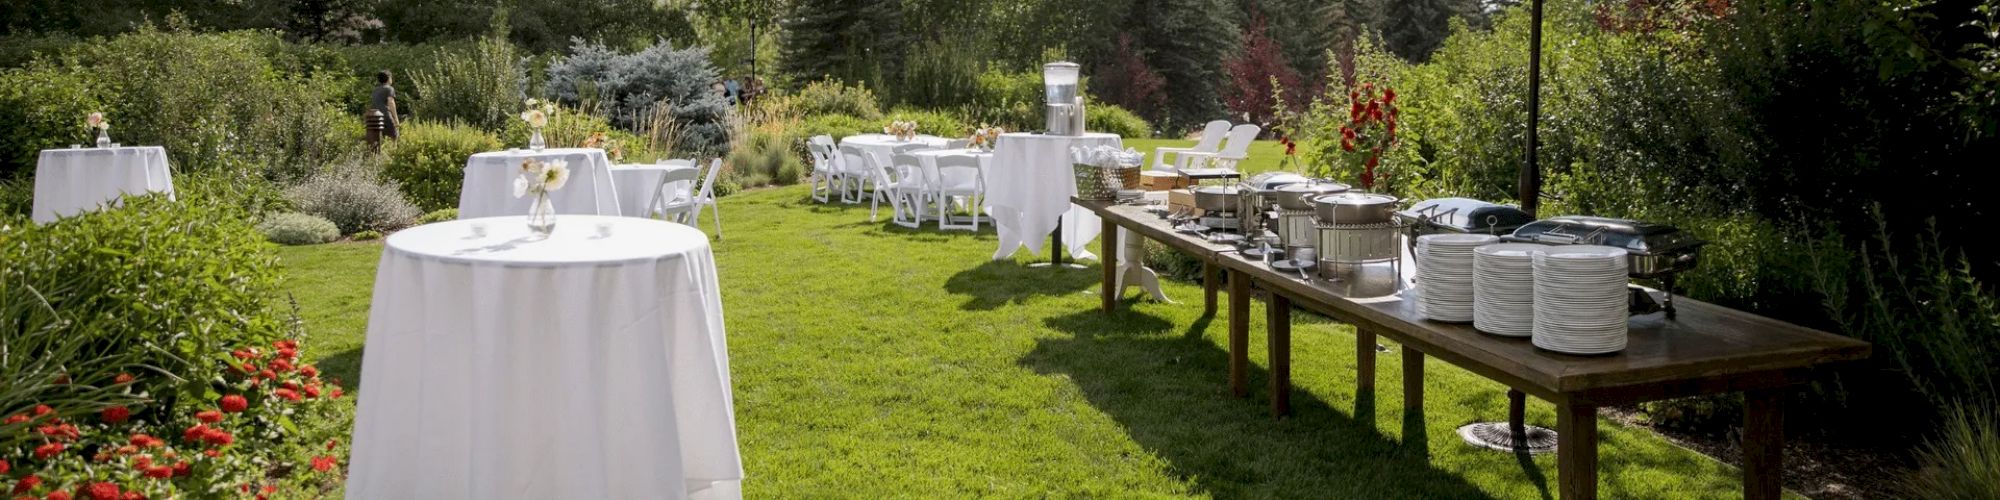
{"x":1065,"y":104}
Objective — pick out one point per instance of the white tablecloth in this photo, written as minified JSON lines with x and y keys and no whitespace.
{"x":637,"y":182}
{"x":885,"y":145}
{"x":1029,"y":188}
{"x":489,"y":184}
{"x":71,"y":181}
{"x":574,"y":367}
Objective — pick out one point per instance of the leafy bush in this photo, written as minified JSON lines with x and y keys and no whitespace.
{"x":368,"y":236}
{"x":482,"y":86}
{"x":292,"y":228}
{"x":354,"y":199}
{"x":939,"y":75}
{"x":404,"y":60}
{"x":1103,"y":117}
{"x":441,"y":215}
{"x":570,"y":128}
{"x":837,"y":126}
{"x":429,"y":161}
{"x":57,"y":342}
{"x":1963,"y":461}
{"x":184,"y":281}
{"x":835,"y":98}
{"x":629,"y":87}
{"x":766,"y":158}
{"x":43,"y":107}
{"x":930,"y":122}
{"x":1012,"y":100}
{"x":250,"y":192}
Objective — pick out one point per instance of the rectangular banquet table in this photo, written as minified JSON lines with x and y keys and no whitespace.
{"x":1707,"y":349}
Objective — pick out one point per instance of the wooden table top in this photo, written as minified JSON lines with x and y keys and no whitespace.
{"x":1698,"y":352}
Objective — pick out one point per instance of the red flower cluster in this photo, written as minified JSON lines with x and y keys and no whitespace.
{"x":27,"y":484}
{"x":1371,"y":128}
{"x":233,"y":403}
{"x":116,"y":414}
{"x":324,"y":463}
{"x":211,"y":436}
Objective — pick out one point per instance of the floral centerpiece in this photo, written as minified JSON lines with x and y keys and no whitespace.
{"x":539,"y":178}
{"x":1370,"y":130}
{"x":537,"y":115}
{"x":986,"y":137}
{"x":903,"y":129}
{"x":97,"y":122}
{"x":612,"y":147}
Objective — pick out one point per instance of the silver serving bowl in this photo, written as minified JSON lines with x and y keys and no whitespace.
{"x":1300,"y":196}
{"x":1355,"y":208}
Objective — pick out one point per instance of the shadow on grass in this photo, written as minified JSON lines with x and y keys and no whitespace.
{"x":997,"y":283}
{"x":1171,"y":394}
{"x":344,"y":367}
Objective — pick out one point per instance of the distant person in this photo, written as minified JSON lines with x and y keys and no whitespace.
{"x":755,"y":90}
{"x":719,"y":89}
{"x":735,"y":91}
{"x":384,"y":101}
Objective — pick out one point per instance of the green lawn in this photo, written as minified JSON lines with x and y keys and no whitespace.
{"x":872,"y":361}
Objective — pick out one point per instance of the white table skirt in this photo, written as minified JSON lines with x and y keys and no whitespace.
{"x":885,"y":145}
{"x":1029,"y":188}
{"x":488,"y":190}
{"x":72,"y":181}
{"x":579,"y":366}
{"x":636,"y":183}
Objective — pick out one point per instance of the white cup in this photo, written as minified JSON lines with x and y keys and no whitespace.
{"x":479,"y":230}
{"x":604,"y":230}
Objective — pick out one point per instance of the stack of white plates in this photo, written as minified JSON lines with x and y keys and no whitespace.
{"x":1444,"y":275}
{"x":1580,"y":299}
{"x":1503,"y":289}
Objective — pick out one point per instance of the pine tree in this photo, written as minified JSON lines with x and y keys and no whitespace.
{"x":1414,"y":28}
{"x":1187,"y":41}
{"x":1252,"y":71}
{"x":851,"y":40}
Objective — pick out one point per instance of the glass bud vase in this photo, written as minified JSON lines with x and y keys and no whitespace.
{"x":535,"y":141}
{"x":542,"y":217}
{"x":103,"y":139}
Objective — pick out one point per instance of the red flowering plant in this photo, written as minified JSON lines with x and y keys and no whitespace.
{"x":268,"y":423}
{"x":1369,"y":131}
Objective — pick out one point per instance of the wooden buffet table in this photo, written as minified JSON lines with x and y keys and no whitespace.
{"x":1707,"y":349}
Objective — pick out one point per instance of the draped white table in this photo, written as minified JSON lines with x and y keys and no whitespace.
{"x":1029,"y":187}
{"x":488,"y":190}
{"x":636,"y":183}
{"x":884,"y":146}
{"x":928,"y":161}
{"x":72,"y":181}
{"x":580,"y":366}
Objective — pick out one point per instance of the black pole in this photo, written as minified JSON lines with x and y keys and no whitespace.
{"x":1056,"y":249}
{"x":1531,"y":173}
{"x":753,"y":49}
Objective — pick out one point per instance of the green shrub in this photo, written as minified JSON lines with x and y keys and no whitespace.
{"x":939,"y":75}
{"x":440,"y":215}
{"x":63,"y":345}
{"x":19,"y":48}
{"x":766,"y":158}
{"x":837,"y":126}
{"x":179,"y":282}
{"x":429,"y":161}
{"x":43,"y":107}
{"x":292,"y":228}
{"x":1011,"y":100}
{"x":935,"y":123}
{"x":368,"y":236}
{"x":248,"y":191}
{"x":1963,"y":461}
{"x":1102,"y":117}
{"x":658,"y":83}
{"x":835,"y":98}
{"x":404,"y":60}
{"x":483,"y":86}
{"x":571,"y":128}
{"x":354,"y":199}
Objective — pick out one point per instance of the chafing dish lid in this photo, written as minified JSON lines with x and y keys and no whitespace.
{"x":1644,"y":238}
{"x":1466,"y":214}
{"x":1357,"y":199}
{"x":1318,"y":187}
{"x":1272,"y":180}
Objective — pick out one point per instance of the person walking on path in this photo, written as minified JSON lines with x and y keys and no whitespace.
{"x":381,"y":117}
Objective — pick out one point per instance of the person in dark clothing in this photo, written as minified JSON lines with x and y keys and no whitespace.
{"x":384,"y":101}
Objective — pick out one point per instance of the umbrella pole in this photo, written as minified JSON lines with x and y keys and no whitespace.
{"x":1531,"y":173}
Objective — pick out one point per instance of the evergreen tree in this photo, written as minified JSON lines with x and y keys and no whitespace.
{"x":1187,"y":41}
{"x":851,"y":40}
{"x":1414,"y":28}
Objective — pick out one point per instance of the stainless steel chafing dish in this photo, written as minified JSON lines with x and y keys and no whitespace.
{"x":1459,"y":215}
{"x":1656,"y":251}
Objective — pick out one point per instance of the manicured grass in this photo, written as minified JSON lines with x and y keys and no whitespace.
{"x":1264,"y":155}
{"x":873,"y":361}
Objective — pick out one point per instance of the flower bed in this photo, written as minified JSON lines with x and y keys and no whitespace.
{"x":260,"y":428}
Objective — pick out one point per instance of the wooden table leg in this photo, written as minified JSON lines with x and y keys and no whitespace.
{"x":1108,"y":258}
{"x":1278,"y":320}
{"x":1364,"y":359}
{"x":1763,"y":444}
{"x":1209,"y":276}
{"x":1413,"y":379}
{"x":1239,"y":334}
{"x":1576,"y":450}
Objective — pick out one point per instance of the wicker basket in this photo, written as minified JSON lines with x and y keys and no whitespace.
{"x":1103,"y":183}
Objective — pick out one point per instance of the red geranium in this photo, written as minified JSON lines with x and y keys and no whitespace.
{"x":244,"y":353}
{"x":211,"y":453}
{"x":335,"y":394}
{"x":182,"y":469}
{"x":234,"y":403}
{"x":209,"y":416}
{"x":4,"y":466}
{"x":287,"y":394}
{"x":267,"y":374}
{"x":324,"y":463}
{"x":116,"y":414}
{"x":47,"y":451}
{"x":43,"y":410}
{"x":14,"y":419}
{"x":27,"y":484}
{"x":123,"y":378}
{"x":57,"y":495}
{"x":160,"y":472}
{"x":218,"y":437}
{"x":281,"y":365}
{"x":330,"y":444}
{"x":309,"y":371}
{"x":312,"y":391}
{"x":145,"y":441}
{"x":101,"y":491}
{"x":58,"y":430}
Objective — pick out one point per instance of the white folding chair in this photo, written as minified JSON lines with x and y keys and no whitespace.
{"x":826,"y":167}
{"x":908,"y":190}
{"x":959,"y":177}
{"x":958,"y":144}
{"x":706,"y":199}
{"x":1234,"y":150}
{"x":886,"y":185}
{"x":855,"y":171}
{"x":1211,"y":140}
{"x":671,"y":201}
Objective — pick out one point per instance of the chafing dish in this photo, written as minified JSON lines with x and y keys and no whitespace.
{"x":1300,"y":196}
{"x":1656,"y":251}
{"x":1462,"y":215}
{"x":1216,"y":199}
{"x":1348,"y":209}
